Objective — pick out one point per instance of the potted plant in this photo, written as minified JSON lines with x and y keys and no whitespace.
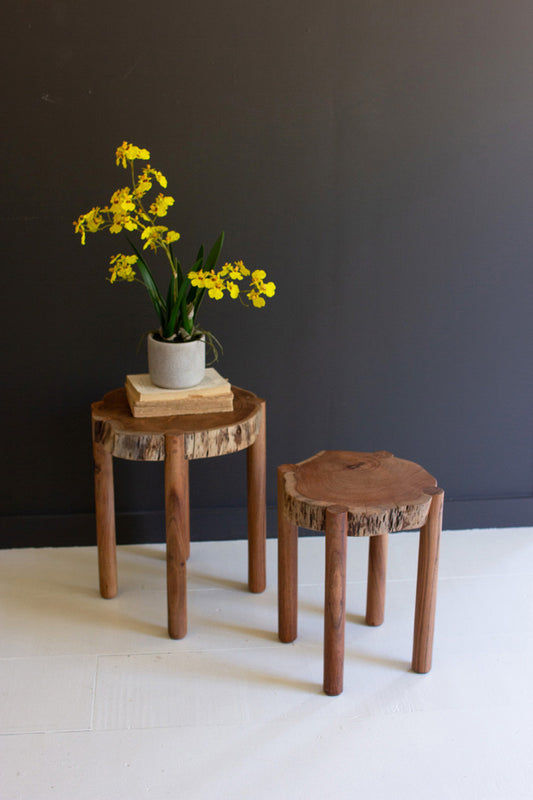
{"x":176,"y":350}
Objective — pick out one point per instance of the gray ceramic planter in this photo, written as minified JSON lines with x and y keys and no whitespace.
{"x":176,"y":365}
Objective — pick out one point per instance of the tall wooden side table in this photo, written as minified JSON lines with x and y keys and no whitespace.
{"x":176,"y":440}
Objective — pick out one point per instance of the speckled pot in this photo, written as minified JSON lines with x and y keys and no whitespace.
{"x":176,"y":365}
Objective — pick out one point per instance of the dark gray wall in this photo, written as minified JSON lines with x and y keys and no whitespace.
{"x":375,"y":157}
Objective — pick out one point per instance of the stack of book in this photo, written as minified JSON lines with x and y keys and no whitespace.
{"x":212,"y":395}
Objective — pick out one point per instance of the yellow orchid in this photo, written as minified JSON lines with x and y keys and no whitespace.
{"x":123,"y":221}
{"x":215,"y":286}
{"x":92,"y":221}
{"x":241,"y":268}
{"x":215,"y":282}
{"x":122,"y":267}
{"x":122,"y":200}
{"x":200,"y":279}
{"x":153,"y":235}
{"x":160,"y":178}
{"x":79,"y":227}
{"x":268,"y":289}
{"x":233,"y":271}
{"x":256,"y":298}
{"x":233,"y":289}
{"x":128,"y":210}
{"x":129,"y":152}
{"x":144,"y":184}
{"x":160,"y":206}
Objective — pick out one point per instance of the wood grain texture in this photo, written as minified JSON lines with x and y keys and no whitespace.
{"x":105,"y":521}
{"x":256,"y":492}
{"x":205,"y":435}
{"x":426,"y":585}
{"x":382,"y":493}
{"x":335,"y":598}
{"x":287,"y":568}
{"x":377,"y":578}
{"x":177,"y":528}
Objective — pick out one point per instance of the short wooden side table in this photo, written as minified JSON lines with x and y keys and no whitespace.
{"x":345,"y":493}
{"x":176,"y":440}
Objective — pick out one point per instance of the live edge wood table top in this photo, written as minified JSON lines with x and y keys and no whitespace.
{"x":176,"y":440}
{"x":205,"y":435}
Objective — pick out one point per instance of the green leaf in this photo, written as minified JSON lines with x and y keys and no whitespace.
{"x":155,"y":297}
{"x":214,"y":253}
{"x":198,"y":299}
{"x":171,"y":291}
{"x":186,"y":323}
{"x":176,"y":263}
{"x":172,"y":256}
{"x":151,"y":286}
{"x":172,"y":294}
{"x":173,"y":316}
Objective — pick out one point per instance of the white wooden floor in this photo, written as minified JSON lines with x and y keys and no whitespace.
{"x":97,"y":703}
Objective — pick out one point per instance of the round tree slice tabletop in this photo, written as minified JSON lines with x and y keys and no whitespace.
{"x":205,"y":435}
{"x":382,"y":493}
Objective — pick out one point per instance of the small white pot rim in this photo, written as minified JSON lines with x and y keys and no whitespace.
{"x":176,"y":365}
{"x":156,"y":337}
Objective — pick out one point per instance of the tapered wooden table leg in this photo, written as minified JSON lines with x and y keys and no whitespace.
{"x":105,"y":520}
{"x":335,"y":598}
{"x":377,"y":577}
{"x":287,"y":570}
{"x":426,"y":586}
{"x":256,"y":481}
{"x":177,"y":525}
